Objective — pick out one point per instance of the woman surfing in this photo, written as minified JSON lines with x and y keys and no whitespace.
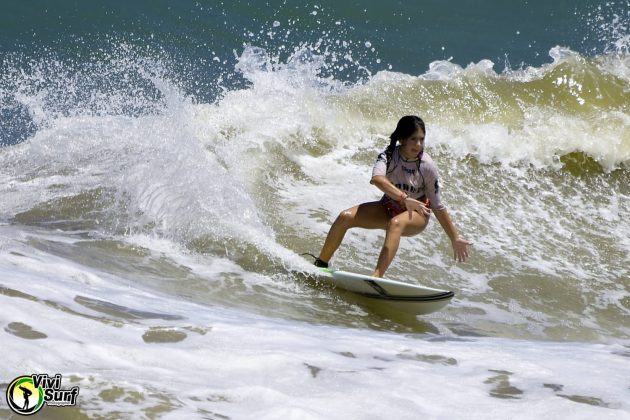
{"x":408,"y":177}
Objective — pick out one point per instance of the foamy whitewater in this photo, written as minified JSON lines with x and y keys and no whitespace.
{"x":150,"y":241}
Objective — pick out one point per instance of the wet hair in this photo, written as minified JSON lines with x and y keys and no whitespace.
{"x":405,"y":128}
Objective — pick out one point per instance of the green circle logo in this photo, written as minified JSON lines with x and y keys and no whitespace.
{"x":23,"y":397}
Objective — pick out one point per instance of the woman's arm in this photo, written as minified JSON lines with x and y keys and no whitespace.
{"x":396,"y":194}
{"x":460,"y":245}
{"x":385,"y":185}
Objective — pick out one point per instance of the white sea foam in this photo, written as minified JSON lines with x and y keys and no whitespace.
{"x":242,"y":365}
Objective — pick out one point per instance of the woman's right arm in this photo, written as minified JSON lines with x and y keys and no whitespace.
{"x":382,"y":183}
{"x":385,"y":185}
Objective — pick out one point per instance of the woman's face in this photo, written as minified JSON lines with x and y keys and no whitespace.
{"x":412,"y":146}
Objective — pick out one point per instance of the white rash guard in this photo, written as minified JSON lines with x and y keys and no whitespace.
{"x":419,"y":179}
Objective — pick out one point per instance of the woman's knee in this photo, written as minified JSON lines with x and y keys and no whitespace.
{"x":346,"y":218}
{"x":416,"y":227}
{"x":395,"y":225}
{"x":407,"y":227}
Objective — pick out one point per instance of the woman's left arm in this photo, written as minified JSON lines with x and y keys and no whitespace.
{"x":460,"y":245}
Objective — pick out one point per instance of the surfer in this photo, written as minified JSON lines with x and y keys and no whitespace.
{"x":408,"y":178}
{"x":25,"y":393}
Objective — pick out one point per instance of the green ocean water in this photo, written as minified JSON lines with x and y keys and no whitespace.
{"x":197,"y":42}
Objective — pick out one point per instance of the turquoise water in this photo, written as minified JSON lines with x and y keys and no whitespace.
{"x":406,"y":36}
{"x":162,"y":165}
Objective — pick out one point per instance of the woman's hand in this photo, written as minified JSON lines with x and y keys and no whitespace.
{"x":414,"y":205}
{"x":460,"y":249}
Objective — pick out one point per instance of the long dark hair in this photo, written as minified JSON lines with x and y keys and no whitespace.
{"x":405,"y":128}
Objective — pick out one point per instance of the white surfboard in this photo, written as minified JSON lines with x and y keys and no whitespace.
{"x":405,"y":297}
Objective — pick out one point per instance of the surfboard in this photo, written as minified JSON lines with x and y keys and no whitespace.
{"x":405,"y":297}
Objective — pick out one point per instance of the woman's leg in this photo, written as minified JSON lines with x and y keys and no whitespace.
{"x":367,"y":215}
{"x":401,"y":225}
